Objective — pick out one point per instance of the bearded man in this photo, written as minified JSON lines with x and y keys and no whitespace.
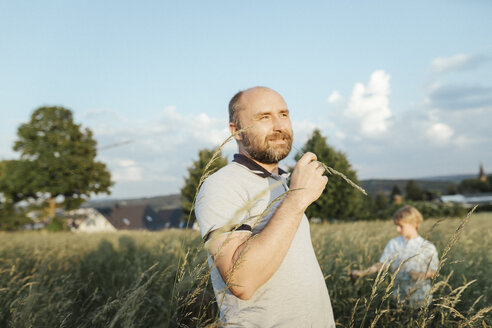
{"x":264,"y":269}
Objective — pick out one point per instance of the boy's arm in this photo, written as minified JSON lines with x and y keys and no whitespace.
{"x":414,"y":275}
{"x":355,"y":274}
{"x":431,"y":252}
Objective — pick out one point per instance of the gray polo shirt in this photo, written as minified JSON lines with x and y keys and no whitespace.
{"x":243,"y":196}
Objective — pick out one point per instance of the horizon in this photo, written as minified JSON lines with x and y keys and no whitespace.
{"x":428,"y":179}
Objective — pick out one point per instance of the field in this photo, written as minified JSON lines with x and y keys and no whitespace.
{"x":143,"y":279}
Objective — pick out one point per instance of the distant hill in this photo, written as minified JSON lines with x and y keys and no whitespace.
{"x":439,"y":184}
{"x":372,"y":186}
{"x":457,"y":178}
{"x":157,"y":203}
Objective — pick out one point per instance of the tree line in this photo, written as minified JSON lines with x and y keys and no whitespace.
{"x":339,"y":200}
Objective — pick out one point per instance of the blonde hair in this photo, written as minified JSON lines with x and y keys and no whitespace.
{"x":408,"y":214}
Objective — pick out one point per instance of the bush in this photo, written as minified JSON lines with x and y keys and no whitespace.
{"x":11,"y":220}
{"x":57,"y":224}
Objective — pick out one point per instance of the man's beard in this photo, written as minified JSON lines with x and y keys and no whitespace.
{"x":263,"y":151}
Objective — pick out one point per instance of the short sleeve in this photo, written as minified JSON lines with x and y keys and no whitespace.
{"x":388,"y":253}
{"x":393,"y":247}
{"x":220,"y":203}
{"x":432,"y":255}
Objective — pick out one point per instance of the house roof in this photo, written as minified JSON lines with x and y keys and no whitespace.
{"x":483,"y":198}
{"x":171,"y":217}
{"x":133,"y":217}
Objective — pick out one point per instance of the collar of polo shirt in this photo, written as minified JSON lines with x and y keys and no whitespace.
{"x":255,"y":167}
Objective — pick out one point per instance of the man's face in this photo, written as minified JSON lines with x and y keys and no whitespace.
{"x":268,"y":137}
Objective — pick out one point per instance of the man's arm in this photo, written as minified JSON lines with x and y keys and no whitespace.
{"x":247,"y":263}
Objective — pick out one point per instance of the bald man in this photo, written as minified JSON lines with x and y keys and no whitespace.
{"x":264,"y":269}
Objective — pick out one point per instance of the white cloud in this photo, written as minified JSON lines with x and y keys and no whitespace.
{"x":456,"y":63}
{"x":369,"y":105}
{"x":126,"y":163}
{"x":126,"y":170}
{"x":442,"y":64}
{"x":161,"y":148}
{"x":463,"y":141}
{"x":201,"y":127}
{"x":334,"y":97}
{"x":440,"y":133}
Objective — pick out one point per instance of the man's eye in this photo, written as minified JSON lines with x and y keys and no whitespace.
{"x":264,"y":117}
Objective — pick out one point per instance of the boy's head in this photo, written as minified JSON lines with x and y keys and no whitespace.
{"x":408,"y":214}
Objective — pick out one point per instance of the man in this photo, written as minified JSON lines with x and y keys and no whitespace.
{"x":264,"y":270}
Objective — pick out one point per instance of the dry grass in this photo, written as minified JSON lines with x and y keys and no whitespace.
{"x":127,"y":279}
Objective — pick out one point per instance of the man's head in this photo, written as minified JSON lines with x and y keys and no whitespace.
{"x":264,"y":114}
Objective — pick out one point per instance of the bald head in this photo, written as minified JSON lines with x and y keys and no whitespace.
{"x":249,"y":96}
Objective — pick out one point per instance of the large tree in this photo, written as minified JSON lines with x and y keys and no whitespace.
{"x":339,"y":200}
{"x":413,"y":191}
{"x":60,"y":156}
{"x":196,"y":175}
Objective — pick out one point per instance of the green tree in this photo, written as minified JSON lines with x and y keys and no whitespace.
{"x":61,"y":155}
{"x":196,"y":173}
{"x":476,"y":185}
{"x":10,"y":219}
{"x":452,"y":189}
{"x":339,"y":199}
{"x":15,"y":178}
{"x":413,"y":191}
{"x":395,"y":191}
{"x":366,"y":209}
{"x":380,"y":201}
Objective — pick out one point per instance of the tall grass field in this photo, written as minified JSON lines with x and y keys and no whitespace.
{"x":144,"y":279}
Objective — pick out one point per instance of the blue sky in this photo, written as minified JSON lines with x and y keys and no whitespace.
{"x":404,"y":89}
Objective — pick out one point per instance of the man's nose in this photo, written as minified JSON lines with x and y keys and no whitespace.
{"x":279,"y":123}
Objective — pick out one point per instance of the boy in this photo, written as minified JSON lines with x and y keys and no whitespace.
{"x":417,"y":257}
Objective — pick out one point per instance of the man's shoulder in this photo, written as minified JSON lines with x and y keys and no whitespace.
{"x":228,"y":179}
{"x":232,"y":174}
{"x":224,"y":173}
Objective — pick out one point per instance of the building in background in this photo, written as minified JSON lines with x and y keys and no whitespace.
{"x":123,"y":217}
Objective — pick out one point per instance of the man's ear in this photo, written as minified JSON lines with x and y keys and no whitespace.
{"x":233,"y":129}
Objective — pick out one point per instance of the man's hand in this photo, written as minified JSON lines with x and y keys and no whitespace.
{"x":307,"y":181}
